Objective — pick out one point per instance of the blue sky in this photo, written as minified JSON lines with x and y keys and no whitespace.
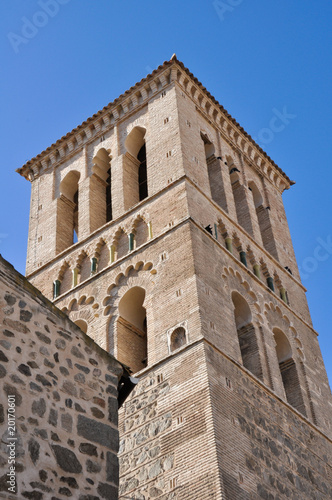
{"x":62,"y":60}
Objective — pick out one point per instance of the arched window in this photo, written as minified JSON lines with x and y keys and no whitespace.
{"x":85,"y":268}
{"x":240,"y":197}
{"x":178,"y":338}
{"x":131,"y":335}
{"x":288,"y":371}
{"x":135,"y":179}
{"x":263,"y":219}
{"x":121,"y":244}
{"x":246,"y":335}
{"x":67,"y":231}
{"x":214,"y":172}
{"x":141,"y":231}
{"x":104,"y":257}
{"x":101,"y":190}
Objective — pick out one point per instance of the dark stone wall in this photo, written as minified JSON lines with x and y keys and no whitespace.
{"x":64,"y":427}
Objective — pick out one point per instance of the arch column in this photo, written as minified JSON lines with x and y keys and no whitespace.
{"x":254,"y":217}
{"x":97,"y":202}
{"x":112,"y":253}
{"x":216,"y":180}
{"x":84,"y":228}
{"x":277,"y":383}
{"x":242,"y":207}
{"x":65,"y":223}
{"x":130,"y":181}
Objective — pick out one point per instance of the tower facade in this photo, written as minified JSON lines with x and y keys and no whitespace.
{"x":158,"y":226}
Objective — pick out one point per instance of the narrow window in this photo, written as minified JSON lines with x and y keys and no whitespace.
{"x":132,"y":330}
{"x":135,"y":179}
{"x":214,"y":173}
{"x":240,"y":197}
{"x":67,"y":231}
{"x":101,"y":190}
{"x":178,"y":338}
{"x":142,"y":174}
{"x":108,"y":196}
{"x":263,"y":219}
{"x":246,"y":335}
{"x":288,"y":371}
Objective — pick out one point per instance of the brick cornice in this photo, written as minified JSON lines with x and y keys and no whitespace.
{"x":140,"y":94}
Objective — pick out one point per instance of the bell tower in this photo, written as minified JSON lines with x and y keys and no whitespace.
{"x":158,"y":226}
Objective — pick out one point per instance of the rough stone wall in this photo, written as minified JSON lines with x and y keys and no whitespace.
{"x":65,"y":392}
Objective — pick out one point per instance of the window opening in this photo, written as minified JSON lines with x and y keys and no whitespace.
{"x":246,"y":335}
{"x":142,"y":174}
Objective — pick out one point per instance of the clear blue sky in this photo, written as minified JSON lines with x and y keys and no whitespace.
{"x":257,"y":58}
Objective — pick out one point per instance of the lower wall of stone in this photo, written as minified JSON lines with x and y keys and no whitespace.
{"x":199,"y":426}
{"x":58,"y":406}
{"x":265,"y":449}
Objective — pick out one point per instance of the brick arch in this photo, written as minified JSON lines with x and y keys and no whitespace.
{"x":66,"y":264}
{"x":277,"y":319}
{"x":208,"y":143}
{"x":65,"y":277}
{"x":101,"y":161}
{"x":100,"y":189}
{"x":120,"y":242}
{"x":277,"y":280}
{"x":135,"y":139}
{"x":140,"y":230}
{"x":223,"y":229}
{"x":101,"y":242}
{"x":138,"y":217}
{"x":251,"y":257}
{"x":83,"y":308}
{"x":138,"y":275}
{"x":84,"y":265}
{"x":265,"y":270}
{"x":237,"y":282}
{"x":79,"y":259}
{"x":237,"y":245}
{"x":102,"y":254}
{"x":251,"y":343}
{"x":239,"y":194}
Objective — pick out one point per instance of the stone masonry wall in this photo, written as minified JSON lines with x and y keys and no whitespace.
{"x":62,"y":440}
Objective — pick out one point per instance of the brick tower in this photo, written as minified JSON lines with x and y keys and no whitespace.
{"x":158,"y":226}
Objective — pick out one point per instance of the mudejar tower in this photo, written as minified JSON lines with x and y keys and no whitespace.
{"x":158,"y":226}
